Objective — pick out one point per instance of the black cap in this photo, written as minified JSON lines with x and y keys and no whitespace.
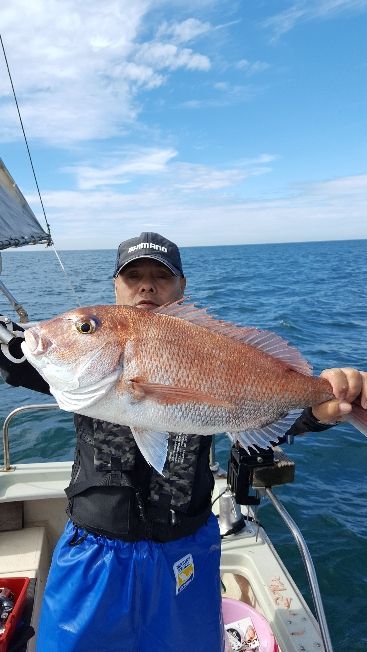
{"x":149,"y":245}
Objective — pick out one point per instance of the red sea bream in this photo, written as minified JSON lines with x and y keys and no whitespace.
{"x":174,"y":370}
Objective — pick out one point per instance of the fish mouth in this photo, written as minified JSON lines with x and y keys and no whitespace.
{"x":60,"y":377}
{"x":37,"y":343}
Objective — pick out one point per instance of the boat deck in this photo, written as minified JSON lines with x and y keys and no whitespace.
{"x":251,"y":569}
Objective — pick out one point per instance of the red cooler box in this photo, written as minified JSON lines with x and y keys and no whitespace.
{"x":18,"y":586}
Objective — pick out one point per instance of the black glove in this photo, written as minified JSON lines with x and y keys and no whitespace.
{"x":306,"y":422}
{"x":14,"y":367}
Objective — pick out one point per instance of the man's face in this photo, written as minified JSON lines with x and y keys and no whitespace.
{"x":146,"y":283}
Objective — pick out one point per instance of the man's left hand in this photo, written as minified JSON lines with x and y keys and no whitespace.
{"x":348,"y":384}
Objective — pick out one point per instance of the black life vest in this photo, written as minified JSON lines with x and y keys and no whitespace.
{"x":114,"y":492}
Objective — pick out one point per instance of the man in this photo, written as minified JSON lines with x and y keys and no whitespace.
{"x":137,"y":567}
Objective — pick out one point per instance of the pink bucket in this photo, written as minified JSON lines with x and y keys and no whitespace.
{"x":235,"y":610}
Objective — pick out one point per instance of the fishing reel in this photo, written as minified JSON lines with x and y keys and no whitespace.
{"x":249,"y":472}
{"x":11,"y":337}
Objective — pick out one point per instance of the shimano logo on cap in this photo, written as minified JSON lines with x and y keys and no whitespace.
{"x":147,"y":245}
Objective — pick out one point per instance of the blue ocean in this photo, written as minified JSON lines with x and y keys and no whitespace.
{"x":313,"y":295}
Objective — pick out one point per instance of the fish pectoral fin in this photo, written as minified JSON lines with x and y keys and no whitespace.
{"x":169,"y":394}
{"x":153,"y":446}
{"x":265,"y":436}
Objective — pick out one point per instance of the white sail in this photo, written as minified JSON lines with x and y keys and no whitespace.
{"x":18,"y":224}
{"x":18,"y":227}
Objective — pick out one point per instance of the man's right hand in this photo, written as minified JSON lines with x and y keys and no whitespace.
{"x":14,"y":368}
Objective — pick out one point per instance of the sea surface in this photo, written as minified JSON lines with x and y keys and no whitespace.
{"x":312,"y":294}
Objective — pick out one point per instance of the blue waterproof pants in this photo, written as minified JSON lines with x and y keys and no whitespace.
{"x":106,"y":595}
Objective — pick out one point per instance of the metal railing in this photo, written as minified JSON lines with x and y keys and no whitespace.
{"x":19,"y":410}
{"x":309,"y":566}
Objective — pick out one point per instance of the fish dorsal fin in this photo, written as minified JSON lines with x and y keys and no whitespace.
{"x":266,"y":341}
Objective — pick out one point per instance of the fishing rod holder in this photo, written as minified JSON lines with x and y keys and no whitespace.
{"x":257,"y":470}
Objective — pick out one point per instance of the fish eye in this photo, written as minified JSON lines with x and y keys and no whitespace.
{"x":86,"y":327}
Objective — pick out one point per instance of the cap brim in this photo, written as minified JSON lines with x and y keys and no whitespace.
{"x":155,"y":256}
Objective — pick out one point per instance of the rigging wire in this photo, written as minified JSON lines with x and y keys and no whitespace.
{"x":25,"y":138}
{"x":50,"y":243}
{"x":67,"y":276}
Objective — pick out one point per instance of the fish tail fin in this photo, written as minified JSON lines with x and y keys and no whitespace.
{"x":358,"y":418}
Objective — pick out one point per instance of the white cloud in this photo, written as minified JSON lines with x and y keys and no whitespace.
{"x":204,"y":178}
{"x":122,"y":168}
{"x":154,"y":165}
{"x":230,"y":95}
{"x":199,"y":204}
{"x":182,"y":32}
{"x":305,"y":10}
{"x":167,"y":55}
{"x":251,"y":68}
{"x":78,"y":67}
{"x":344,"y":187}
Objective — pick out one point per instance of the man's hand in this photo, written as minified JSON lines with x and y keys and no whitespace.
{"x":348,"y":384}
{"x":14,"y":368}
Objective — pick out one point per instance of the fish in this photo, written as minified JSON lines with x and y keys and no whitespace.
{"x":176,"y":369}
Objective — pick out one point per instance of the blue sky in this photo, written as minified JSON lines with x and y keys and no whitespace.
{"x":210,"y":121}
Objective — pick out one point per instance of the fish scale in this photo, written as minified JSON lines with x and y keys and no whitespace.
{"x":223,"y":373}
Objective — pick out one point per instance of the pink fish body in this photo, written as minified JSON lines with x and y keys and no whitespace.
{"x":173,"y":370}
